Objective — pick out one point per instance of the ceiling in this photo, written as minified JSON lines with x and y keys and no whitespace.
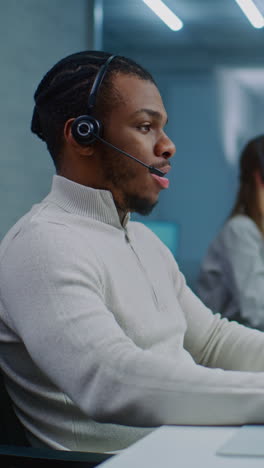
{"x":215,"y":32}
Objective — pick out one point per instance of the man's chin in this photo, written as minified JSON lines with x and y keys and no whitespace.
{"x":142,"y":206}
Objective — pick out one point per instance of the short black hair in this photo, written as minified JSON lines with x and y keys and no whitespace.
{"x":63,"y":93}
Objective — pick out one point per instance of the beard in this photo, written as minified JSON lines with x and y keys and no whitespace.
{"x":138,"y":204}
{"x":119,"y":173}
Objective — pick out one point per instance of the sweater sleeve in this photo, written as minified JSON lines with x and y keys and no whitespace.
{"x":58,"y":311}
{"x":213,"y":341}
{"x":245,"y":253}
{"x":216,"y":342}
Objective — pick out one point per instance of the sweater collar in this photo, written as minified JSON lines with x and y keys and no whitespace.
{"x":85,"y":201}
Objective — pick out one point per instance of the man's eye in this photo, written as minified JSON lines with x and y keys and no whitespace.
{"x":144,"y":128}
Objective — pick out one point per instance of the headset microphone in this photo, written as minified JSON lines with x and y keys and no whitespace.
{"x":151,"y":169}
{"x":86,"y":129}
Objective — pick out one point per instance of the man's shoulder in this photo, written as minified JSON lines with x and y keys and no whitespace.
{"x":16,"y":229}
{"x":25,"y":229}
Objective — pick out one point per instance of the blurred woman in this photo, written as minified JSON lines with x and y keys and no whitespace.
{"x":232,"y":276}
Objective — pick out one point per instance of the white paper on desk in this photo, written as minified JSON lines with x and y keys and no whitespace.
{"x":247,"y":441}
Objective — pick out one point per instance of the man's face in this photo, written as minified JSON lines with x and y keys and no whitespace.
{"x":136,"y":125}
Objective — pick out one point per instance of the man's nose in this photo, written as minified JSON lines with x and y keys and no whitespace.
{"x":165,"y":147}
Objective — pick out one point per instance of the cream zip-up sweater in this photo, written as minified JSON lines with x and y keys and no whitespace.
{"x":100,"y":338}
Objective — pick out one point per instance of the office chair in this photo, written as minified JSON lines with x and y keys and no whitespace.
{"x":16,"y":452}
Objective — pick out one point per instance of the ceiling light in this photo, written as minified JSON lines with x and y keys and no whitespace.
{"x":169,"y":18}
{"x":252,"y":13}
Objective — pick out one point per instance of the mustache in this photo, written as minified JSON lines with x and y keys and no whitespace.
{"x":162,"y":164}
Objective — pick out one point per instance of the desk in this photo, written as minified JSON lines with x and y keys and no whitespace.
{"x":182,"y":447}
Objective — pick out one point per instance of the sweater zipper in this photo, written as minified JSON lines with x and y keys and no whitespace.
{"x":142,"y":269}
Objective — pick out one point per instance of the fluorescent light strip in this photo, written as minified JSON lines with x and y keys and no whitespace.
{"x":165,"y":14}
{"x":252,"y":13}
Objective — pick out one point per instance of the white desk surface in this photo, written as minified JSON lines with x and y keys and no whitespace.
{"x":182,"y":447}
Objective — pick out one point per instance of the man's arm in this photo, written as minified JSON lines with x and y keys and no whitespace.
{"x":215,"y":342}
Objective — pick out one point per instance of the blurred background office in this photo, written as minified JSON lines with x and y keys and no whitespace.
{"x":211,"y":76}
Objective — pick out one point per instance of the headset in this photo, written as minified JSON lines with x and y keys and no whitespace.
{"x":86,"y":129}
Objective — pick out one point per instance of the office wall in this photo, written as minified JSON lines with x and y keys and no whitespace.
{"x":34,"y":35}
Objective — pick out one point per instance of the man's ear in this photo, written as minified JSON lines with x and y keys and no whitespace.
{"x":70,"y":140}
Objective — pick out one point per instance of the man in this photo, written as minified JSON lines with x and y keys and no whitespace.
{"x":100,"y":338}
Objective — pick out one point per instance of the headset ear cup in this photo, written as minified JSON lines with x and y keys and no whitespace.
{"x":85,"y":128}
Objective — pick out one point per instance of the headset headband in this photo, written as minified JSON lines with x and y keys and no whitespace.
{"x":97,"y":83}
